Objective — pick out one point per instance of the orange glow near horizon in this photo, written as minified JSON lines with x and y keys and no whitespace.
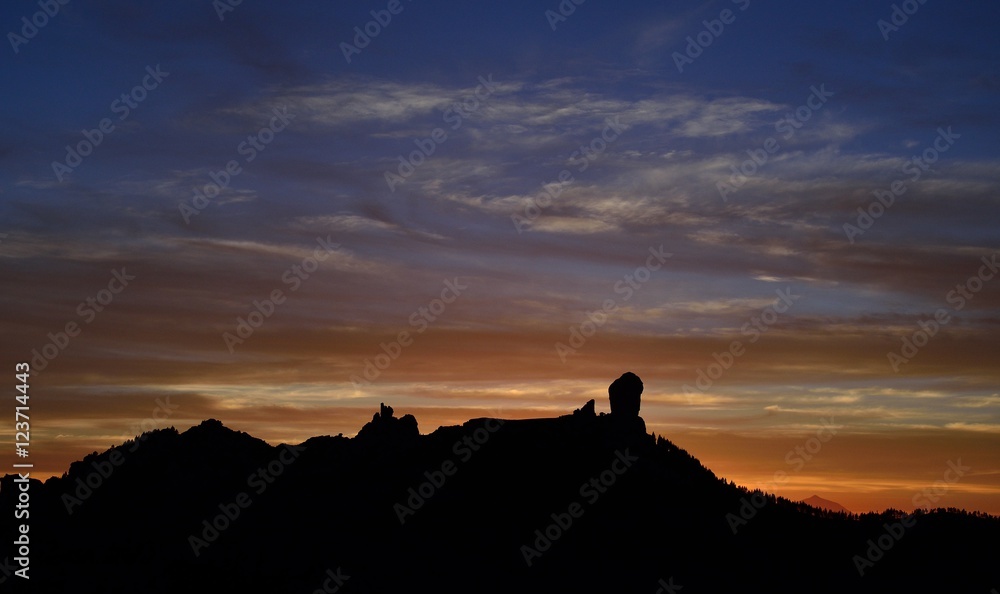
{"x":861,"y":470}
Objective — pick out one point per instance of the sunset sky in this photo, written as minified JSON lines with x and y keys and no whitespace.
{"x":540,"y":200}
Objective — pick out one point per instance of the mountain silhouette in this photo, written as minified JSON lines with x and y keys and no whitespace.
{"x":819,"y":502}
{"x":583,"y":502}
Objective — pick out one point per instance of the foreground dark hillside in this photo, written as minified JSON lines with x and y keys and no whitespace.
{"x":579,"y":503}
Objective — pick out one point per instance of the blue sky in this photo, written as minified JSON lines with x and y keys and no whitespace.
{"x":604,"y":82}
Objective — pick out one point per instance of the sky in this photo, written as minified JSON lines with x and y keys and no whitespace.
{"x":782,"y":216}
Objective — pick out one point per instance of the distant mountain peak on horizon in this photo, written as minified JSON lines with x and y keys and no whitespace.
{"x":821,"y":503}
